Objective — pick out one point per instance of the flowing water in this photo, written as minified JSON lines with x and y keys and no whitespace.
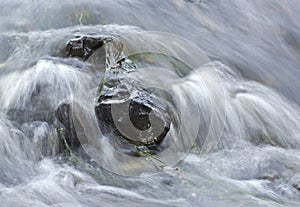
{"x":243,"y":87}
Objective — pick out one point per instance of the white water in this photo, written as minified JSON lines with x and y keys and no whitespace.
{"x":255,"y":163}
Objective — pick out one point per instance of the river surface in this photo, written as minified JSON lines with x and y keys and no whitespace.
{"x":248,"y":61}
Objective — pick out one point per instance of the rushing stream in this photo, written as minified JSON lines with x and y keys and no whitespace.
{"x":218,"y":81}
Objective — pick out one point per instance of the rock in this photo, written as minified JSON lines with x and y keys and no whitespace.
{"x":64,"y":115}
{"x":125,"y":110}
{"x":84,"y":46}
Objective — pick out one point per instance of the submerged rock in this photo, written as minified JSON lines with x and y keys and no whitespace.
{"x":64,"y":115}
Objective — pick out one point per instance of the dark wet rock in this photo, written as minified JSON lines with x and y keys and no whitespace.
{"x":30,"y":115}
{"x":125,"y":108}
{"x":141,"y":118}
{"x":133,"y":107}
{"x":61,"y":118}
{"x":42,"y":136}
{"x":84,"y":46}
{"x":64,"y":115}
